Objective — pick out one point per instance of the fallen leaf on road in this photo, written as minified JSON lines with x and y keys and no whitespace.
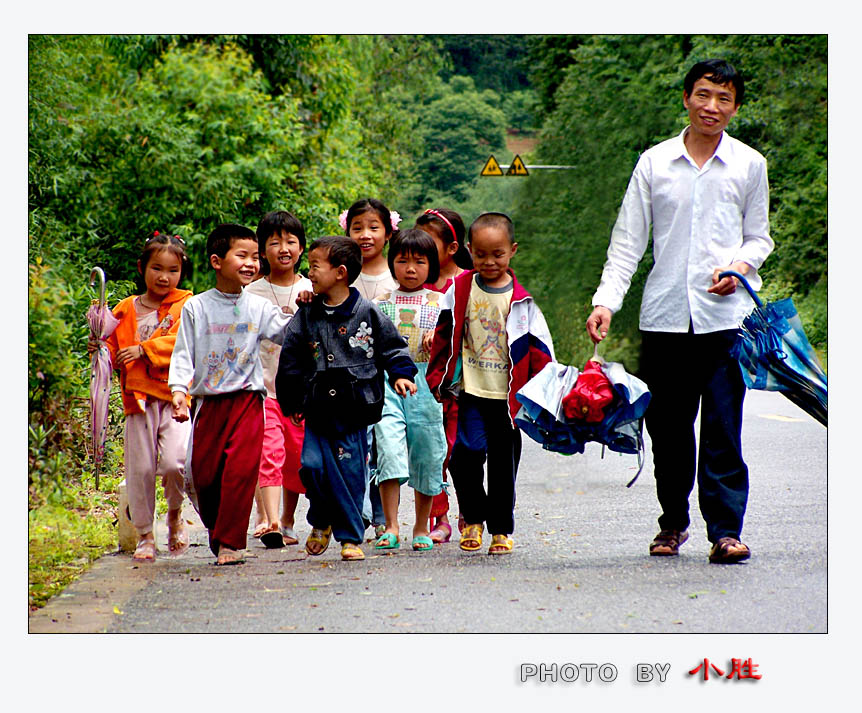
{"x":117,"y":611}
{"x":425,"y":579}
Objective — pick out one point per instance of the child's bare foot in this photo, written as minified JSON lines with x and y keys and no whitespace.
{"x":260,"y":528}
{"x":228,"y":556}
{"x":146,"y":549}
{"x":178,"y":537}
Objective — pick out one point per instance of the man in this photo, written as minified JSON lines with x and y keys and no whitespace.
{"x":705,"y":195}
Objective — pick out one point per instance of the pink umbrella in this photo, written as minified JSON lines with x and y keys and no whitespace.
{"x":102,"y":324}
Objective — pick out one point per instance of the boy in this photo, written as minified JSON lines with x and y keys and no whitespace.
{"x":491,"y":331}
{"x":330,"y":373}
{"x":217,"y":360}
{"x":706,"y":197}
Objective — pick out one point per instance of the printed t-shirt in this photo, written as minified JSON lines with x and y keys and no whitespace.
{"x":485,"y":350}
{"x":413,"y":314}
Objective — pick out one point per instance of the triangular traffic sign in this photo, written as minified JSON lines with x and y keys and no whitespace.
{"x":492,"y":168}
{"x":517,"y":167}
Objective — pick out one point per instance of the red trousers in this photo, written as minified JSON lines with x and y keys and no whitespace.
{"x":440,"y":504}
{"x":226,"y":444}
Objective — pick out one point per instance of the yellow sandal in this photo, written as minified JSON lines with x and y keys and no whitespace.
{"x":318,"y":537}
{"x":351,"y":551}
{"x":471,"y":537}
{"x":501,"y":545}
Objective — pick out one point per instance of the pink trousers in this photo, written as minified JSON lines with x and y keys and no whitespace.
{"x":155,"y":445}
{"x":282,"y":448}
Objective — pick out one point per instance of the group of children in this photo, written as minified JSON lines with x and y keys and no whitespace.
{"x":381,"y":367}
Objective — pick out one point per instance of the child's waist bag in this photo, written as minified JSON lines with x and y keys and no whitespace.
{"x":351,"y":396}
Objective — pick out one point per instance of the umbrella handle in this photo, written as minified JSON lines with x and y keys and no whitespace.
{"x":731,"y":273}
{"x":98,"y":274}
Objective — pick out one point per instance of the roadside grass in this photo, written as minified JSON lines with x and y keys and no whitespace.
{"x":66,"y":533}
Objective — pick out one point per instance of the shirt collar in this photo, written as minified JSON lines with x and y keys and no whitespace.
{"x":722,"y":151}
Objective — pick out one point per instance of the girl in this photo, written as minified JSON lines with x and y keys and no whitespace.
{"x":447,"y":229}
{"x":370,"y":224}
{"x":411,"y":444}
{"x":141,"y":348}
{"x":281,"y":241}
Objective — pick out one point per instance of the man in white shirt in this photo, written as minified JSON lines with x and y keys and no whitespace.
{"x":705,"y":195}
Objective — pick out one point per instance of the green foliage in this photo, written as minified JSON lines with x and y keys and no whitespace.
{"x":460,"y":127}
{"x":497,"y":62}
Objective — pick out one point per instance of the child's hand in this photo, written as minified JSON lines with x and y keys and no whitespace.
{"x":93,"y":345}
{"x":296,"y":419}
{"x":427,"y":340}
{"x":127,"y":354}
{"x":180,"y":406}
{"x":305,"y":297}
{"x":403,"y":386}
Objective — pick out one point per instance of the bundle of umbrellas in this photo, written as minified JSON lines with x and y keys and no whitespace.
{"x":102,"y":324}
{"x":563,"y":408}
{"x":774,"y":354}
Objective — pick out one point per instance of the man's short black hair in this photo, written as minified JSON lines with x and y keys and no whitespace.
{"x":494,"y":220}
{"x":717,"y":71}
{"x":220,"y":239}
{"x":342,"y":251}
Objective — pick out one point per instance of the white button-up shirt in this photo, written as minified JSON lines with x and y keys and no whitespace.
{"x":702,"y":218}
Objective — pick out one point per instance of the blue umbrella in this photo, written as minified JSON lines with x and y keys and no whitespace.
{"x":542,"y":418}
{"x":774,"y":354}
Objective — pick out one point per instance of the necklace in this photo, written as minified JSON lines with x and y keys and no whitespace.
{"x":145,"y":305}
{"x":287,"y":309}
{"x":228,"y":295}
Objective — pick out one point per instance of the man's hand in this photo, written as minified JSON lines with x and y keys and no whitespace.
{"x":727,"y":285}
{"x":403,"y":386}
{"x":598,"y":323}
{"x":179,"y":406}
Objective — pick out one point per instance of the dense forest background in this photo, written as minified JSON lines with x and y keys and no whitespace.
{"x":131,"y":134}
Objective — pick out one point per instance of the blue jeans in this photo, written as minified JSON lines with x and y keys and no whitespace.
{"x":687,"y":372}
{"x":334,"y":472}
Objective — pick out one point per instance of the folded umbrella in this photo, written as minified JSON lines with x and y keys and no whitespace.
{"x":775,"y":355}
{"x":102,"y":324}
{"x":542,"y":414}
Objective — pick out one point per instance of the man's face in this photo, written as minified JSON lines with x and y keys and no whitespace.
{"x":710,"y":106}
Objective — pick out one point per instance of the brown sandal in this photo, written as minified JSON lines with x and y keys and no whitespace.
{"x":729,"y":550}
{"x":666,"y":543}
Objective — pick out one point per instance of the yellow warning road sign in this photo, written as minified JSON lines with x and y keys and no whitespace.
{"x":517,"y":167}
{"x":492,"y":168}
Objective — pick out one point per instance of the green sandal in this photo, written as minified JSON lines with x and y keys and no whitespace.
{"x":422,"y":543}
{"x":387,"y":541}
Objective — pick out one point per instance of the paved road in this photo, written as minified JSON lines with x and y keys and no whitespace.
{"x":580,"y":562}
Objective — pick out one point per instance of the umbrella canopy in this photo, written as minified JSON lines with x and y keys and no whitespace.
{"x":774,"y":354}
{"x":542,"y":415}
{"x":102,"y":324}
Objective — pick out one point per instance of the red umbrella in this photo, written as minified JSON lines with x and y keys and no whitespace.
{"x":102,"y":324}
{"x":591,"y":393}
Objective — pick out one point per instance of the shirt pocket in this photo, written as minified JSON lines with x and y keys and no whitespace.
{"x":726,"y":225}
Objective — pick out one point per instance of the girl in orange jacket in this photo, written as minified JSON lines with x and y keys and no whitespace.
{"x":141,"y":348}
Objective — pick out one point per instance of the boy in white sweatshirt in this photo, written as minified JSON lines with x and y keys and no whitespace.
{"x":217,"y":360}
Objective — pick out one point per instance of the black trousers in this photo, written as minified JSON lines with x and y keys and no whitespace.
{"x":687,"y":372}
{"x":485,"y":430}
